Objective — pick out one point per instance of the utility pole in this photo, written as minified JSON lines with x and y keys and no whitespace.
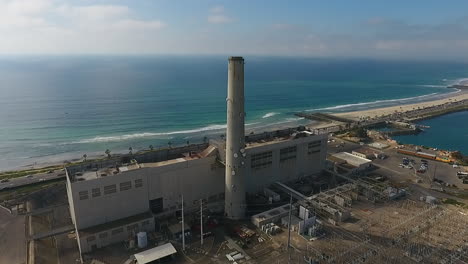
{"x":201,"y":222}
{"x":183,"y":225}
{"x":289,"y":227}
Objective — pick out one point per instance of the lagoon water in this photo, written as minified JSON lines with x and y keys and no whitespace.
{"x":57,"y":108}
{"x":448,"y":132}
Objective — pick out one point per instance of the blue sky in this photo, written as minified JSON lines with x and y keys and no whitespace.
{"x":424,"y":29}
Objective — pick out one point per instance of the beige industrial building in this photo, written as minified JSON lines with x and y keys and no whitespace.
{"x":112,"y":200}
{"x":351,"y":162}
{"x":366,"y":153}
{"x":113,"y":203}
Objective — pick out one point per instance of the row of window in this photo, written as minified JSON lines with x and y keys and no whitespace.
{"x":265,"y":159}
{"x":288,"y":153}
{"x":130,"y":228}
{"x":110,"y":189}
{"x":261,"y":160}
{"x":314,"y":144}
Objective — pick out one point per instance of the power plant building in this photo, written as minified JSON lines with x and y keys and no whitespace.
{"x":112,"y":200}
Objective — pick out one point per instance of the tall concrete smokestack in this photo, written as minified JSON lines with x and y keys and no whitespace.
{"x":234,"y":204}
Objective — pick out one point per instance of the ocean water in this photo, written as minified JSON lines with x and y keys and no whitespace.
{"x":58,"y":108}
{"x":448,"y":132}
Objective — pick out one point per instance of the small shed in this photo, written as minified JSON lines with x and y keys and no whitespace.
{"x":155,"y":253}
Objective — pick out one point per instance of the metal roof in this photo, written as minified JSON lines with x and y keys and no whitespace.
{"x":155,"y":253}
{"x":351,"y":159}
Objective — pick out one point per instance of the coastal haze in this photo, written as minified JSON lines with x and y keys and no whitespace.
{"x":223,"y":132}
{"x":59,"y":108}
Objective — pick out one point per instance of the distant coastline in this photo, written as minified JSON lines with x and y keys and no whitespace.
{"x":460,"y":99}
{"x":447,"y":105}
{"x":74,"y":106}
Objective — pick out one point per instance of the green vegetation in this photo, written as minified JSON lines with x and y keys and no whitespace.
{"x":359,"y":132}
{"x":460,"y":158}
{"x":453,"y":202}
{"x":21,"y":173}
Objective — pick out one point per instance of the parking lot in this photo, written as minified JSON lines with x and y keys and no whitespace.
{"x":444,"y":173}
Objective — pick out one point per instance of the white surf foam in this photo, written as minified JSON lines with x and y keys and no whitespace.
{"x":100,"y":139}
{"x":147,"y":134}
{"x":374,"y":102}
{"x":433,"y":86}
{"x":267,"y":115}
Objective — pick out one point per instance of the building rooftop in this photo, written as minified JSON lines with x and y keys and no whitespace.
{"x":95,"y":173}
{"x":156,"y":253}
{"x":366,"y":151}
{"x":269,"y":138}
{"x":284,"y":209}
{"x":351,"y":159}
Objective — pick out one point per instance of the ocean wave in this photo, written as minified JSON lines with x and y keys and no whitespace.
{"x":101,"y":139}
{"x":458,"y":81}
{"x":292,"y":119}
{"x":376,"y":102}
{"x":267,"y":115}
{"x":433,"y":86}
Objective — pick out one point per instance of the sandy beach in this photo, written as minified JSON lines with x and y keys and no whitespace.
{"x":372,"y":113}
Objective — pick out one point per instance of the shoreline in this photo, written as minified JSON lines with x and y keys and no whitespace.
{"x":413,"y":111}
{"x":368,"y":114}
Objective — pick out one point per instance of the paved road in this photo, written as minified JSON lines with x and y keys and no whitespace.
{"x":12,"y":238}
{"x":334,"y":147}
{"x":35,"y":178}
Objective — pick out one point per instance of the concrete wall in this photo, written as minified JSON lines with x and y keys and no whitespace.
{"x":70,"y":198}
{"x":196,"y":179}
{"x":304,"y":164}
{"x":107,"y":237}
{"x":108,"y":207}
{"x":199,"y":178}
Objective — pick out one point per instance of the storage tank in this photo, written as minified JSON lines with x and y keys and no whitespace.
{"x":142,"y":240}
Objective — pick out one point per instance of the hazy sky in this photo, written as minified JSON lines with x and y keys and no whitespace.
{"x":433,"y":29}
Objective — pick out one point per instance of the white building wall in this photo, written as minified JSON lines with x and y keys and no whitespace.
{"x":70,"y":198}
{"x":196,"y":179}
{"x":107,"y":237}
{"x":108,"y":207}
{"x":304,"y":164}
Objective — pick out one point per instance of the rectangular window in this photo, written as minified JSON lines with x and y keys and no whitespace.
{"x":117,"y":231}
{"x":261,"y":160}
{"x":131,"y":228}
{"x":96,"y":192}
{"x":110,"y":189}
{"x":138,"y":183}
{"x":103,"y":235}
{"x":83,"y":195}
{"x":288,"y":153}
{"x":125,"y":186}
{"x":91,"y":238}
{"x":312,"y":147}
